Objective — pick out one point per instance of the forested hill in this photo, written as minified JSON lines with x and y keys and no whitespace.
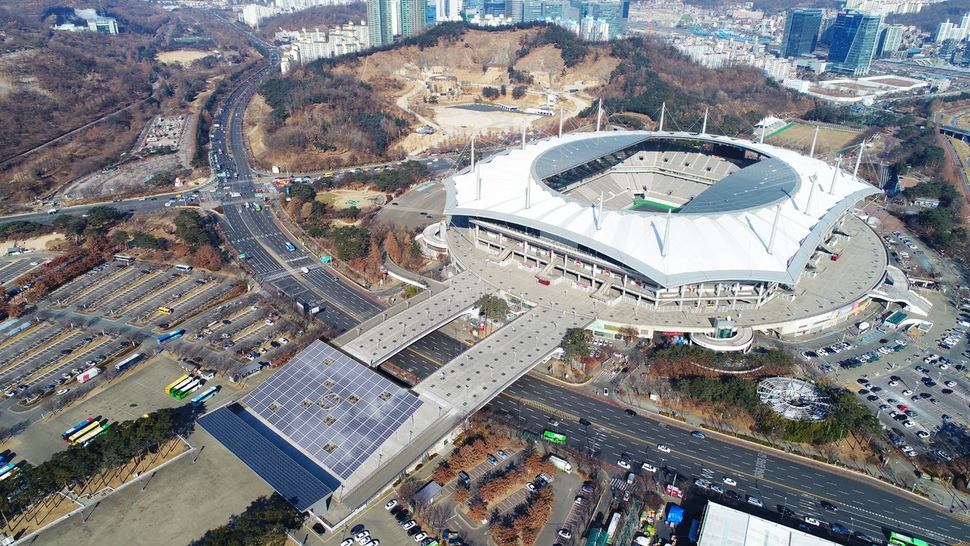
{"x":652,"y":73}
{"x":324,"y":114}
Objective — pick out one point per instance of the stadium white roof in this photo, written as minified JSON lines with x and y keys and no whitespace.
{"x":723,"y":526}
{"x":726,"y":239}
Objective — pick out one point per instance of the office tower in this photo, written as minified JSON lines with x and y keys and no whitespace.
{"x":854,"y":38}
{"x":379,"y":22}
{"x":557,"y":9}
{"x":513,"y":10}
{"x":531,"y":10}
{"x":801,"y":32}
{"x":494,"y":8}
{"x":414,"y":17}
{"x":889,"y":40}
{"x":615,"y":13}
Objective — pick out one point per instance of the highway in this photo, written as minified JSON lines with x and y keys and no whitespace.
{"x":779,"y":482}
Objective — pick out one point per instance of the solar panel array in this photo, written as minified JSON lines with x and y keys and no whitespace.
{"x":332,"y":408}
{"x":282,"y":473}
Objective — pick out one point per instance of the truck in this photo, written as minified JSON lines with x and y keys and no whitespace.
{"x":52,"y":211}
{"x":88,"y":374}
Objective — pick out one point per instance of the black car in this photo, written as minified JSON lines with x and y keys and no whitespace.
{"x":829,"y":506}
{"x":786,"y":512}
{"x":357,"y":528}
{"x":731,"y":495}
{"x":630,"y":412}
{"x":584,"y":422}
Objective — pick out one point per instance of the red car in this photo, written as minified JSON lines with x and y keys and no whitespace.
{"x":902,"y":407}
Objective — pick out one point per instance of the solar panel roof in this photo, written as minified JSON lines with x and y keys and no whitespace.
{"x":331,"y":407}
{"x":295,"y":483}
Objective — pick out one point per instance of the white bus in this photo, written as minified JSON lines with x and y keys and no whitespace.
{"x":184,"y":268}
{"x":561,"y":464}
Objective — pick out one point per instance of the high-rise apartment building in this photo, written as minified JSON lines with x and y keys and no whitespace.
{"x":951,"y":31}
{"x":379,"y":22}
{"x":513,"y":10}
{"x":855,"y":35}
{"x":801,"y":32}
{"x":890,"y":38}
{"x":447,"y":10}
{"x":414,"y":16}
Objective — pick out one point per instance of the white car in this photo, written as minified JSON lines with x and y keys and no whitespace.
{"x":363,"y":537}
{"x":647,"y":467}
{"x":923,"y":434}
{"x":408,"y":524}
{"x":703,"y":484}
{"x":62,"y":392}
{"x":420,"y":536}
{"x":729,"y":481}
{"x":907,"y":392}
{"x":565,"y":533}
{"x":623,"y":463}
{"x":390,"y":504}
{"x":812,"y":521}
{"x":374,"y":542}
{"x":347,"y":542}
{"x":661,"y":447}
{"x":755,"y":501}
{"x":893,"y":383}
{"x":908,"y":424}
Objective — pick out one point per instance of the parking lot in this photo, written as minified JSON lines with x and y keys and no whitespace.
{"x":914,"y":380}
{"x":11,"y":268}
{"x":104,"y":276}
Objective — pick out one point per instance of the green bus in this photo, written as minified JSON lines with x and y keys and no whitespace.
{"x":529,"y":435}
{"x":553,"y":437}
{"x":903,"y":540}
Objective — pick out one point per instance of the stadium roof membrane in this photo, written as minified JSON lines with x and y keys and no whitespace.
{"x":723,"y":234}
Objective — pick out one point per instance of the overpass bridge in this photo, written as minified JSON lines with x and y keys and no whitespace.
{"x":954,"y":131}
{"x":394,"y":330}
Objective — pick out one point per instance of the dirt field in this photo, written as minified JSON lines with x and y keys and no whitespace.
{"x":799,"y":137}
{"x":341,"y":199}
{"x":181,"y":57}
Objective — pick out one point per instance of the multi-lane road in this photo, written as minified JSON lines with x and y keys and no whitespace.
{"x":865,"y":505}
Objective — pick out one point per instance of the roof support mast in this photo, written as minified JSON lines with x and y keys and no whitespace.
{"x":524,"y":126}
{"x":835,"y":177}
{"x":811,"y":153}
{"x":599,"y":116}
{"x":811,"y":194}
{"x":858,"y":160}
{"x":663,"y":251}
{"x":774,"y":230}
{"x":473,"y":152}
{"x":704,"y":127}
{"x":599,"y":214}
{"x":478,"y":182}
{"x":663,"y":110}
{"x":561,"y":113}
{"x":763,"y":127}
{"x":528,"y":191}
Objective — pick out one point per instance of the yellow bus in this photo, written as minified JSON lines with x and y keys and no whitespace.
{"x":169,"y":388}
{"x":165,"y":310}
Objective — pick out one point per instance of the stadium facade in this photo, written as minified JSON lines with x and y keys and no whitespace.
{"x":672,"y":223}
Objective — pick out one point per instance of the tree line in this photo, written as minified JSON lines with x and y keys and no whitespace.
{"x":118,"y":445}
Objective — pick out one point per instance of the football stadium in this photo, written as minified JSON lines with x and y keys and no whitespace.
{"x":682,"y":227}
